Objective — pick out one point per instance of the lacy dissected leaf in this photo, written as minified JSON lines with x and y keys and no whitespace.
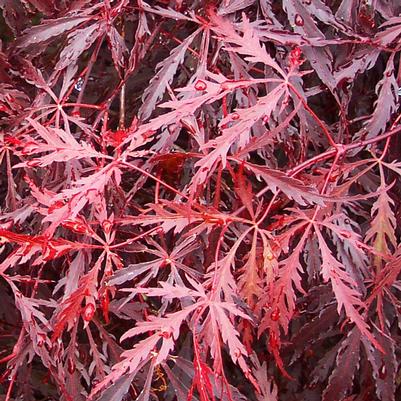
{"x":342,"y":377}
{"x":62,"y":145}
{"x":229,"y":335}
{"x":178,"y":215}
{"x":384,"y":366}
{"x":344,"y":289}
{"x":320,"y":58}
{"x":284,"y":295}
{"x":205,"y":182}
{"x":232,"y":6}
{"x":324,"y":13}
{"x":43,"y":248}
{"x":248,"y":44}
{"x":318,"y":327}
{"x":12,"y":100}
{"x":167,"y":329}
{"x":69,"y":310}
{"x":165,"y":74}
{"x":384,"y":281}
{"x":48,"y":31}
{"x":14,"y":15}
{"x":118,"y":47}
{"x":250,"y":281}
{"x":117,"y":390}
{"x":242,"y":121}
{"x":128,"y":368}
{"x":361,"y":62}
{"x":386,"y":104}
{"x":132,"y":271}
{"x":268,"y":388}
{"x":166,"y":12}
{"x":79,"y":41}
{"x":391,"y":31}
{"x":44,"y":6}
{"x":382,"y":227}
{"x":291,"y":187}
{"x":83,"y":191}
{"x":164,"y":260}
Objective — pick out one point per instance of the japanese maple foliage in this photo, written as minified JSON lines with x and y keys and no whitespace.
{"x":200,"y":200}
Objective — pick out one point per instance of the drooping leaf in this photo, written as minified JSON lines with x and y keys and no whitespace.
{"x":48,"y":31}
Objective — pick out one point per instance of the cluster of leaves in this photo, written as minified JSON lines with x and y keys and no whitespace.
{"x":200,"y":200}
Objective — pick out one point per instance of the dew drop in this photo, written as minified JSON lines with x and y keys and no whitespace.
{"x":107,"y":225}
{"x":347,"y":221}
{"x":299,"y":21}
{"x":235,"y":116}
{"x":78,"y":85}
{"x":265,"y":119}
{"x":89,"y":311}
{"x":200,"y":85}
{"x":275,"y":315}
{"x":307,"y":2}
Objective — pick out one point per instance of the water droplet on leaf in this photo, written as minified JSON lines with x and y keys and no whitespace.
{"x":299,"y":21}
{"x":89,"y":311}
{"x":78,"y":85}
{"x":275,"y":315}
{"x":107,"y":225}
{"x":200,"y":85}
